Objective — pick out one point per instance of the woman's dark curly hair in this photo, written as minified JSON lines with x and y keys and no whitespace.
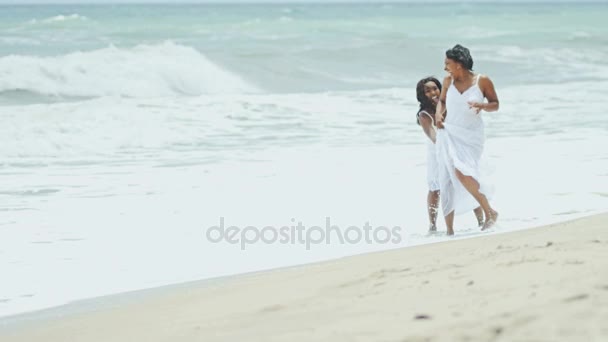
{"x":461,"y":55}
{"x":425,"y":103}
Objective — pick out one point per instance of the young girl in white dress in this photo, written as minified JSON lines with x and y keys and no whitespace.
{"x":460,"y":137}
{"x":428,"y":91}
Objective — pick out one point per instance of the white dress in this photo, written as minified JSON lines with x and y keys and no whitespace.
{"x":460,"y":146}
{"x":432,"y":164}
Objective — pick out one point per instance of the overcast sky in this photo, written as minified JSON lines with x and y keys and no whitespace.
{"x":264,"y":1}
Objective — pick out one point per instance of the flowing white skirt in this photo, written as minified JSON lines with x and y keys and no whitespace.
{"x":432,"y":167}
{"x":460,"y":148}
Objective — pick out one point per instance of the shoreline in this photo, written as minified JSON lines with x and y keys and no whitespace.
{"x":102,"y":301}
{"x":235,"y":307}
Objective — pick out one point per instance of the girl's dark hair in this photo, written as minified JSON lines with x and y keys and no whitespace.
{"x":461,"y":55}
{"x":424,"y":101}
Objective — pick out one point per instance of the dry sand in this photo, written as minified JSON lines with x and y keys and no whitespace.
{"x":542,"y":284}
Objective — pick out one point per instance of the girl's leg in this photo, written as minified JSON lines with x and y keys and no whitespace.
{"x":432,"y":201}
{"x":473,"y":188}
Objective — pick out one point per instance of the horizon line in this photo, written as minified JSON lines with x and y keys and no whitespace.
{"x":296,"y":2}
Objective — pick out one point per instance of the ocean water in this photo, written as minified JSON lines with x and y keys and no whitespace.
{"x":129,"y":130}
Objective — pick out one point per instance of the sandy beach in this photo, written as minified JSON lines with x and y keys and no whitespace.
{"x":543,"y":284}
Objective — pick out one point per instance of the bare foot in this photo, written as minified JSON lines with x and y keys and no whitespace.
{"x":491,"y":220}
{"x":479,"y":216}
{"x":432,"y":228}
{"x":450,"y":232}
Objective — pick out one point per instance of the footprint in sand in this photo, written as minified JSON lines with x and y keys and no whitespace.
{"x":577,"y":298}
{"x":381,"y":274}
{"x":388,"y":271}
{"x":574,"y":262}
{"x":273,"y":308}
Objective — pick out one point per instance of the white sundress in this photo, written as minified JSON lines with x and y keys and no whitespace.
{"x":432,"y":164}
{"x":460,"y":146}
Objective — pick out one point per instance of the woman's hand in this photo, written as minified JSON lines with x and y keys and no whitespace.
{"x":476,"y":106}
{"x":439,"y":119}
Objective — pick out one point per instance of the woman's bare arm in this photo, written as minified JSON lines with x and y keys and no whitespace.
{"x":487,"y":88}
{"x":440,"y":112}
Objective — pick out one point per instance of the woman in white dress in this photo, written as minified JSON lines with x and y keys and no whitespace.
{"x":460,"y":138}
{"x":427,"y":93}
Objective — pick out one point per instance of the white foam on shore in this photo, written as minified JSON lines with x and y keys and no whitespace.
{"x":107,"y":196}
{"x":115,"y":230}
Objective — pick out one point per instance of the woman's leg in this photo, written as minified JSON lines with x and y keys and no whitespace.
{"x":432,"y":201}
{"x":479,"y":216}
{"x":473,"y":188}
